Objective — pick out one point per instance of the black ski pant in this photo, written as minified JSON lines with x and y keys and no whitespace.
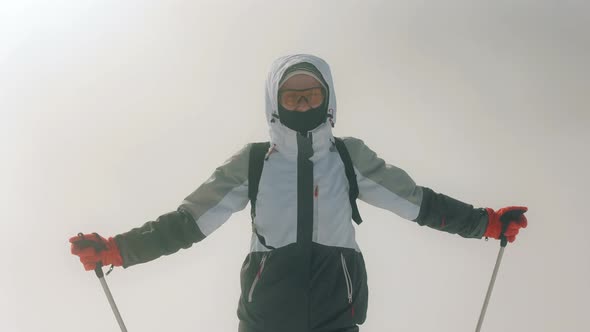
{"x":347,"y":329}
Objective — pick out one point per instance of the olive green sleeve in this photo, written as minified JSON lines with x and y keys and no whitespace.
{"x":199,"y":214}
{"x":164,"y":236}
{"x":390,"y":187}
{"x":447,"y":214}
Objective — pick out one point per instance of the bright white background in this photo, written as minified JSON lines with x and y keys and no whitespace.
{"x":111,"y":112}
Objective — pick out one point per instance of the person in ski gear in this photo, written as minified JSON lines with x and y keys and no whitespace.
{"x":305,"y":270}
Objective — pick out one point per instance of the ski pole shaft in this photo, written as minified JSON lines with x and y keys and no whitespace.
{"x":490,"y":288}
{"x":503,"y":243}
{"x":105,"y":287}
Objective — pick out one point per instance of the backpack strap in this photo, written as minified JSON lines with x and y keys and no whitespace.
{"x":353,"y":191}
{"x":255,"y":165}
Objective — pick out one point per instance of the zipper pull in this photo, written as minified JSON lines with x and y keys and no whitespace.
{"x":260,"y":267}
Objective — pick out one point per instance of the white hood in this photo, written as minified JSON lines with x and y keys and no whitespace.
{"x":281,"y":136}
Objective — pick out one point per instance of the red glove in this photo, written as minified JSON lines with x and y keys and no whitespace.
{"x":93,"y":248}
{"x":513,"y":215}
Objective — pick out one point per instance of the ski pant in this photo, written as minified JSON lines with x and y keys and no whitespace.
{"x":354,"y":328}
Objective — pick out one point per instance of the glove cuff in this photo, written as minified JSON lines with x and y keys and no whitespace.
{"x":112,"y":256}
{"x":494,"y":227}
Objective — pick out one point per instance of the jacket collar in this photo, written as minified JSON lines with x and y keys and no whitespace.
{"x":284,"y":140}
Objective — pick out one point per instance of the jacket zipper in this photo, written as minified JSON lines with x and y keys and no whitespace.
{"x":348,"y":282}
{"x":258,"y":276}
{"x":316,"y":212}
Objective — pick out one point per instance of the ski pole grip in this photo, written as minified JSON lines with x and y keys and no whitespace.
{"x":84,"y":243}
{"x":503,"y":240}
{"x":98,"y":270}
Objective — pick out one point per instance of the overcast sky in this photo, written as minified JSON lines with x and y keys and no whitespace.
{"x":112,"y":112}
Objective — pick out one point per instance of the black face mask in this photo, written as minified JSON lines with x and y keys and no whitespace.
{"x":304,"y":121}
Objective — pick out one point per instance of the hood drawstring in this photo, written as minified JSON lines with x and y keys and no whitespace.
{"x":275,"y":116}
{"x":270,"y":151}
{"x":331,"y":117}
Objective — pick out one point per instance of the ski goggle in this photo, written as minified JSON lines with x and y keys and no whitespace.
{"x":289,"y":99}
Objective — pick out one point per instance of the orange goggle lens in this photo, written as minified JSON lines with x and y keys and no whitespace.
{"x":289,"y":99}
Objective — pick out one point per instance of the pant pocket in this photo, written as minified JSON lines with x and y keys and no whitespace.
{"x":257,"y":277}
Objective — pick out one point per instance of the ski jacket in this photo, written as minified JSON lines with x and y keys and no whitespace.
{"x":310,"y":275}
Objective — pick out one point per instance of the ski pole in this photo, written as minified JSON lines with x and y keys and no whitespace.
{"x":503,"y":243}
{"x":99,"y":273}
{"x":107,"y":291}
